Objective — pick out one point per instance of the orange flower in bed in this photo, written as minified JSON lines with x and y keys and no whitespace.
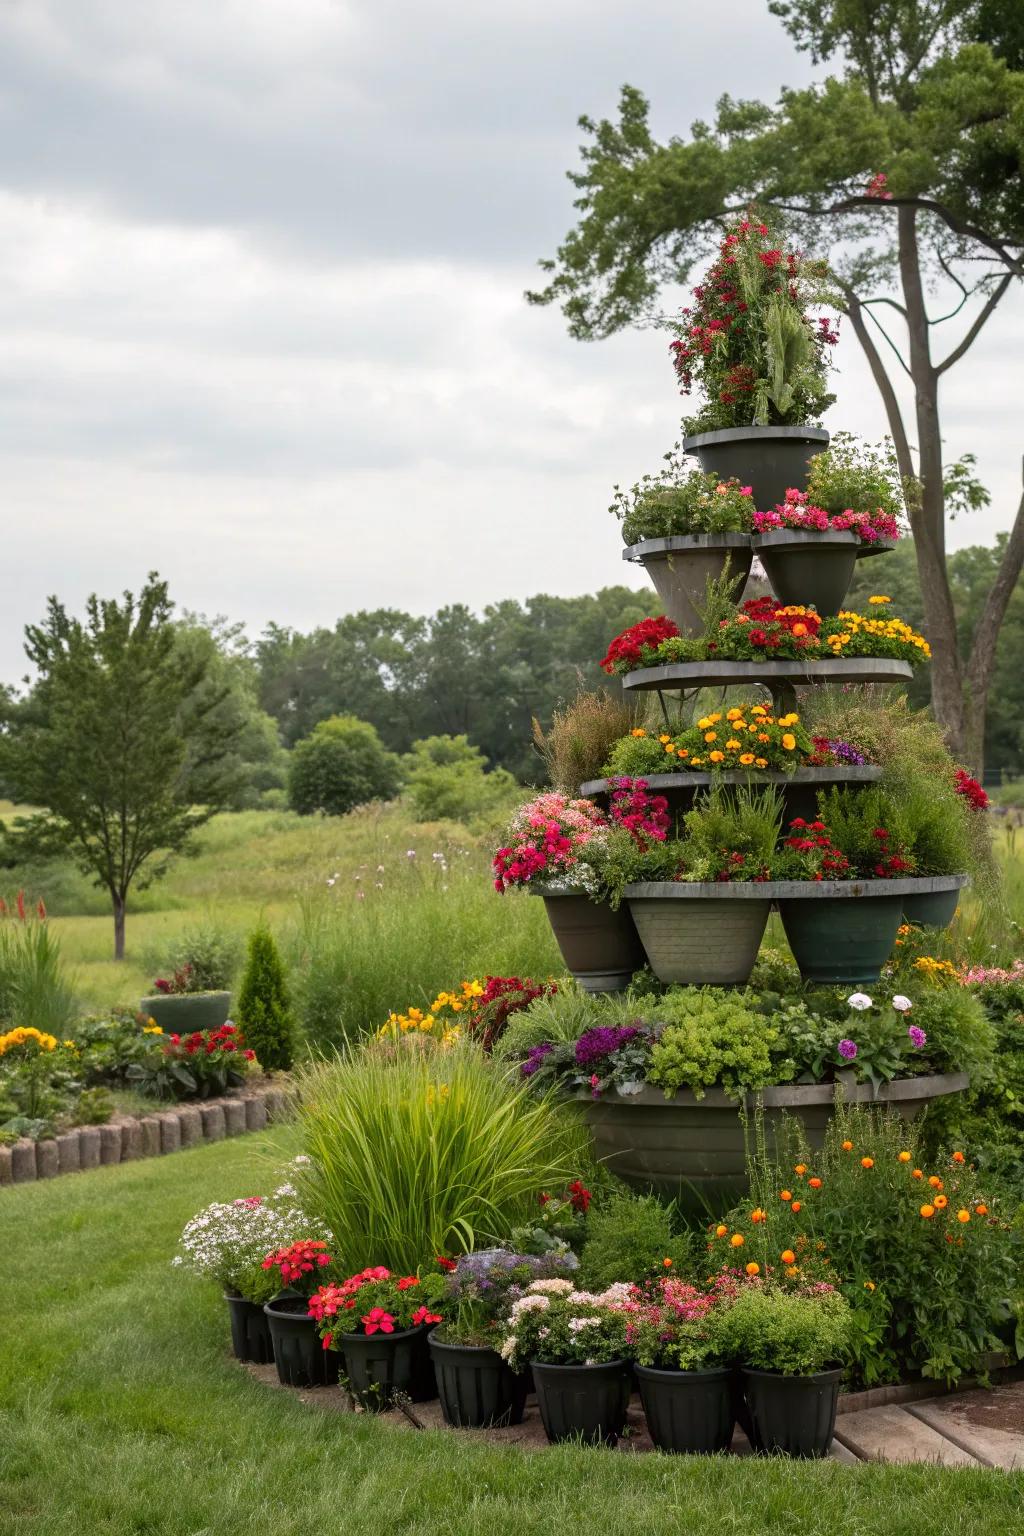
{"x":867,"y":1162}
{"x":737,"y":1240}
{"x":981,"y":1210}
{"x":935,"y":1182}
{"x":917,"y":1174}
{"x":963,"y":1216}
{"x":941,"y":1202}
{"x":796,"y":1206}
{"x":904,"y":1157}
{"x":753,"y":1269}
{"x":958,"y":1157}
{"x":814,"y":1183}
{"x":721,"y":1231}
{"x":927,"y":1211}
{"x":847,"y":1146}
{"x":788,"y":1256}
{"x":784,"y":1194}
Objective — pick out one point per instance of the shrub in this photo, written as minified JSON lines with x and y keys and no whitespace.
{"x":446,"y":779}
{"x":852,"y":476}
{"x":209,"y":953}
{"x":263,"y":1008}
{"x":929,"y":1264}
{"x":630,"y":1237}
{"x":342,"y":763}
{"x":776,"y":1330}
{"x":418,"y":1150}
{"x":731,"y":836}
{"x":580,"y":737}
{"x":710,"y":1039}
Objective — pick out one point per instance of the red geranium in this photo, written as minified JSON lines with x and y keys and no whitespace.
{"x":626,"y":651}
{"x":297,"y":1261}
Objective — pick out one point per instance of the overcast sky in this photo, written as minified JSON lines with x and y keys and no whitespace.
{"x":261,"y":274}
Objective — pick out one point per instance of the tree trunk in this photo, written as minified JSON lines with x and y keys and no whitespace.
{"x":928,"y":516}
{"x":119,"y":914}
{"x":981,"y":662}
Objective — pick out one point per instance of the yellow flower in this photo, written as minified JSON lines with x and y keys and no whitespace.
{"x":717,"y":757}
{"x":710,"y":735}
{"x":877,"y":599}
{"x":789,"y":742}
{"x":152,"y":1029}
{"x":734,"y":714}
{"x":737,"y":1240}
{"x":670,"y":749}
{"x":732,"y":745}
{"x":746,"y":758}
{"x":904,"y":1157}
{"x":664,"y":738}
{"x":638,"y":730}
{"x":963,"y":1216}
{"x":761,"y":762}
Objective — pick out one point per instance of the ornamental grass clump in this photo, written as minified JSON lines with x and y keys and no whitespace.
{"x":730,"y":836}
{"x":417,"y":1151}
{"x":577,"y":742}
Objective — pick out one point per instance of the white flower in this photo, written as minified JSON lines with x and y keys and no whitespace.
{"x":902,"y":1004}
{"x":330,"y":882}
{"x":301,"y":1160}
{"x":550,"y":1288}
{"x":577,"y":1324}
{"x":508,"y":1347}
{"x":860,"y":1001}
{"x":528,"y":1304}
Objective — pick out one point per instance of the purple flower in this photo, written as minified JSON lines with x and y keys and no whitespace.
{"x":535,"y":1059}
{"x":844,"y":752}
{"x":917,"y":1036}
{"x":847,"y":1050}
{"x":593,"y":1044}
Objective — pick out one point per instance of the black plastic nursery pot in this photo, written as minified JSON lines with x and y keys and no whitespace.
{"x":794,"y":1415}
{"x":681,"y":567}
{"x":379,"y":1365}
{"x":700,"y":934}
{"x":476,"y":1387}
{"x":250,"y":1331}
{"x":768,"y":459}
{"x":299,"y":1355}
{"x":182,"y":1012}
{"x":587,"y":1402}
{"x":688,"y":1412}
{"x":599,"y":946}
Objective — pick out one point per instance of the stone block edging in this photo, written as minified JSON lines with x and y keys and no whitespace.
{"x":127,"y":1138}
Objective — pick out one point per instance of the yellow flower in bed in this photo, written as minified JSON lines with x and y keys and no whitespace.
{"x":25,"y":1033}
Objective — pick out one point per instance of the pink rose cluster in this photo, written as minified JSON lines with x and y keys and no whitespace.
{"x":797,"y":512}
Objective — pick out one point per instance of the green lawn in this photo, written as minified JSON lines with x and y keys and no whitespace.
{"x":123,"y":1413}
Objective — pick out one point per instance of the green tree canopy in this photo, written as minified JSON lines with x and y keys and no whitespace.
{"x":340,"y":765}
{"x":124,"y":741}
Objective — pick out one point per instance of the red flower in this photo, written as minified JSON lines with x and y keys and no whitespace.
{"x":423,"y":1316}
{"x":446,"y":1264}
{"x":579,"y":1198}
{"x":407,"y":1281}
{"x":625,"y":651}
{"x":377,"y":1319}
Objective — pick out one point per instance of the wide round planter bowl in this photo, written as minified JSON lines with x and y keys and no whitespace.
{"x":583,"y":1402}
{"x":688,"y":1412}
{"x":250,"y":1331}
{"x":693,"y":1150}
{"x":809,"y":569}
{"x":599,"y":946}
{"x":699,"y":934}
{"x":768,"y":459}
{"x":299,"y":1354}
{"x":476,"y":1387}
{"x":792,"y":1415}
{"x":183,"y":1012}
{"x":381,"y":1365}
{"x":934,"y":909}
{"x":681,"y":567}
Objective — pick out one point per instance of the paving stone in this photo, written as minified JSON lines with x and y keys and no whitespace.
{"x":212,"y":1116}
{"x":191,"y":1126}
{"x":149,"y":1126}
{"x":47,"y":1160}
{"x":839,"y":1452}
{"x":170,"y":1133}
{"x":23,"y":1162}
{"x":893,"y":1434}
{"x":255,"y":1114}
{"x":89,"y":1146}
{"x":69,"y":1151}
{"x":131,"y":1140}
{"x":6,"y":1175}
{"x":110,"y":1143}
{"x":987,"y":1424}
{"x":234,"y":1116}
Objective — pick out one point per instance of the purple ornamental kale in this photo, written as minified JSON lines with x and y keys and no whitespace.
{"x":593,"y":1044}
{"x":535,"y":1058}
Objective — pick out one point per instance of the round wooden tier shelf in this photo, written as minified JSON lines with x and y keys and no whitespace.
{"x":676,"y":784}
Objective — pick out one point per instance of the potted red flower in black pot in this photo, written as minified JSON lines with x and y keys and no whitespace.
{"x":300,"y":1360}
{"x":380,"y":1322}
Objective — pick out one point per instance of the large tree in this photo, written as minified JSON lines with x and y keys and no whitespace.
{"x":904,"y":168}
{"x":123,"y":741}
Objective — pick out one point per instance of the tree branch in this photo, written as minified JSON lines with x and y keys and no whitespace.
{"x":894,"y":416}
{"x":899,"y":356}
{"x":986,"y":633}
{"x":1014,"y":264}
{"x":980,"y":320}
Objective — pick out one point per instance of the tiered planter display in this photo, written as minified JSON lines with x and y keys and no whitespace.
{"x":680,"y":568}
{"x":600,"y":947}
{"x":693,"y":1150}
{"x":771,"y":460}
{"x":700,"y":934}
{"x":813,"y":568}
{"x":782,"y":678}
